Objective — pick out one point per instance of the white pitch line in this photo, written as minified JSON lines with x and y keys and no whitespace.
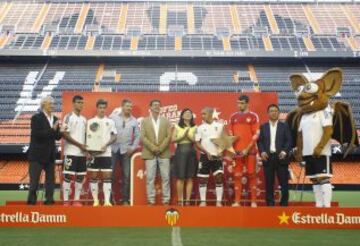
{"x":176,"y":237}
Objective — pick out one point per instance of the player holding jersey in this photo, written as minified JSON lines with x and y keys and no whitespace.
{"x":101,"y":162}
{"x":210,"y":158}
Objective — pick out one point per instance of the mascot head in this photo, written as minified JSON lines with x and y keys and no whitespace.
{"x":314,"y":95}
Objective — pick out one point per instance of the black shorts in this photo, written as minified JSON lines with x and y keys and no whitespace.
{"x":318,"y":167}
{"x":100,"y":164}
{"x":74,"y":165}
{"x":206,"y":166}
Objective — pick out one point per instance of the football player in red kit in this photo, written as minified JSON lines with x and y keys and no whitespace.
{"x":244,"y":124}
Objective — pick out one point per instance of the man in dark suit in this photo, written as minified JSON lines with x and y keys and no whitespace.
{"x":274,"y":144}
{"x":45,"y":129}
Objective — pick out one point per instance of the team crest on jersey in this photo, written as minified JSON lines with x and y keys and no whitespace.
{"x":172,"y":216}
{"x":94,"y":126}
{"x":248,"y":120}
{"x":67,"y":163}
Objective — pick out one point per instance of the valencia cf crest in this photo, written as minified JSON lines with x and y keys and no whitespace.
{"x":67,"y":163}
{"x":94,"y":126}
{"x":172,"y":216}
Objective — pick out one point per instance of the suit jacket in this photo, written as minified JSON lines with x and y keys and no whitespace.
{"x":282,"y":139}
{"x":42,"y":140}
{"x":148,"y":138}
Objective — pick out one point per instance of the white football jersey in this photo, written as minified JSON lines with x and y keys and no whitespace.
{"x":205,"y":132}
{"x":311,"y":126}
{"x":75,"y":125}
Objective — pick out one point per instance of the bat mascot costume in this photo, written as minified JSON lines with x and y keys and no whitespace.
{"x":314,"y":122}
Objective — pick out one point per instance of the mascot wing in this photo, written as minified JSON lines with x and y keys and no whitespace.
{"x":344,"y":127}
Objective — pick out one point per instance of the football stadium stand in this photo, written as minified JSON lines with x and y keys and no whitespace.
{"x":289,"y":29}
{"x":23,"y":85}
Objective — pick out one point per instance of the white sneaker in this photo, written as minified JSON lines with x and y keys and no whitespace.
{"x":202,"y":204}
{"x":107,"y":204}
{"x":235,"y":204}
{"x":253,"y":205}
{"x":96,"y":203}
{"x":219,"y":204}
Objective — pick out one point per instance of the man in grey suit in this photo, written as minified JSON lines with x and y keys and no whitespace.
{"x":156,"y":137}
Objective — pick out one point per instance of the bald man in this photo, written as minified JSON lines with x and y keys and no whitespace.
{"x":210,"y":158}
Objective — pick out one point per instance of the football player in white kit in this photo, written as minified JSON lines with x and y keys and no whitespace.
{"x":210,"y":158}
{"x":74,"y":132}
{"x":102,"y":160}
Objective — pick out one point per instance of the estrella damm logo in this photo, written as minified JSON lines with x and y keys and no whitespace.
{"x":172,"y":216}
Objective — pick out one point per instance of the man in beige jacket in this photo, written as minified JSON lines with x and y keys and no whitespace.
{"x":156,"y":137}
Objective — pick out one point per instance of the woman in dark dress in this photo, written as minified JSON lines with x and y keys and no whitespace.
{"x":185,"y":155}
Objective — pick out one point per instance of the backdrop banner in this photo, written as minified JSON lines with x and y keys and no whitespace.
{"x":156,"y":216}
{"x":172,"y":103}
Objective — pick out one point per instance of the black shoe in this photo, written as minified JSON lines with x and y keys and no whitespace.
{"x":31,"y":202}
{"x":50,"y":202}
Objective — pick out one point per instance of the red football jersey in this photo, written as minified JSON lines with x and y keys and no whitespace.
{"x":246,"y":127}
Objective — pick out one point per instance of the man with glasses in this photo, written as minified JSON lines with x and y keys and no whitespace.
{"x":127,"y":141}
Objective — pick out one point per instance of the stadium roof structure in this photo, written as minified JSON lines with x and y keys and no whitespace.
{"x":202,"y":1}
{"x":290,"y":29}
